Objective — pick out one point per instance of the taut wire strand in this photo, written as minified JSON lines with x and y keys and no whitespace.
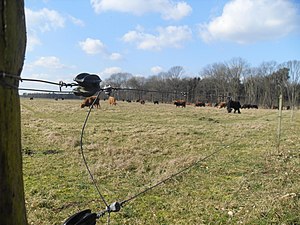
{"x":42,"y":90}
{"x":177,"y":173}
{"x":83,"y":156}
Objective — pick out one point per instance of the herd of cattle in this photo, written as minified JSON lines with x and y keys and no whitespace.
{"x":230,"y":105}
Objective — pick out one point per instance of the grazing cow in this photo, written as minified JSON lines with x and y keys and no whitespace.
{"x":180,"y":103}
{"x":112,"y":100}
{"x":246,"y":106}
{"x":155,"y":102}
{"x":142,"y":102}
{"x":249,"y":106}
{"x":199,"y":104}
{"x":89,"y":101}
{"x":222,"y":105}
{"x":128,"y":100}
{"x":233,"y":105}
{"x":31,"y":98}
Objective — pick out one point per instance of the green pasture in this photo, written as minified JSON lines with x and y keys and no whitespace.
{"x":130,"y":146}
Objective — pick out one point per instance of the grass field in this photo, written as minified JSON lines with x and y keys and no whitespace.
{"x":131,"y":146}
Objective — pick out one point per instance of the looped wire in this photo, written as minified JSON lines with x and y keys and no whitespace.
{"x":4,"y":75}
{"x":4,"y":83}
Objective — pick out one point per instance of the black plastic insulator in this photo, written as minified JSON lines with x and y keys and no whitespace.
{"x":88,"y":84}
{"x":85,"y":217}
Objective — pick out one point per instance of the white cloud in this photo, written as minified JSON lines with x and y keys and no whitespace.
{"x":109,"y":71}
{"x":76,"y":21}
{"x":92,"y":46}
{"x":32,"y":41}
{"x":50,"y":62}
{"x":176,"y":12}
{"x":43,"y":20}
{"x":115,"y":56}
{"x":156,"y":69}
{"x":247,"y":21}
{"x":169,"y":9}
{"x":171,"y":36}
{"x":95,"y":46}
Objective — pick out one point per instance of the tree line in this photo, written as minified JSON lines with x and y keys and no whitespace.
{"x":260,"y":85}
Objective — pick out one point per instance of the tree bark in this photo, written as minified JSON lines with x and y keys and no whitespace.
{"x":12,"y":52}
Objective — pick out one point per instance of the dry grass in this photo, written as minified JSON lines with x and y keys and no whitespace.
{"x":131,"y":146}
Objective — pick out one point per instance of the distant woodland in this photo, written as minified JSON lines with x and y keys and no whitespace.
{"x":260,"y":85}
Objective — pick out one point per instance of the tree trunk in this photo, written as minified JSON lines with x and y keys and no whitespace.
{"x":12,"y":52}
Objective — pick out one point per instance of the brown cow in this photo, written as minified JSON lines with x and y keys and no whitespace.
{"x":222,"y":105}
{"x":180,"y":103}
{"x":89,"y":101}
{"x":112,"y":100}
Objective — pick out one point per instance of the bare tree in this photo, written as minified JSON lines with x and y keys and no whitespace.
{"x":215,"y":75}
{"x":253,"y":86}
{"x":267,"y":93}
{"x":12,"y":49}
{"x":191,"y":86}
{"x":176,"y":72}
{"x":237,"y":69}
{"x":173,"y":78}
{"x":137,"y":83}
{"x":293,"y":81}
{"x":118,"y":79}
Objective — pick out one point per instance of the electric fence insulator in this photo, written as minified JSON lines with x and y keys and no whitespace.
{"x":85,"y":217}
{"x":88,"y":84}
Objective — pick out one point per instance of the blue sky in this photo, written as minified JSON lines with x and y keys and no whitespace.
{"x":145,"y":37}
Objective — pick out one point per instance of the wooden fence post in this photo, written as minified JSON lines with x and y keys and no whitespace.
{"x":279,"y":122}
{"x":12,"y":52}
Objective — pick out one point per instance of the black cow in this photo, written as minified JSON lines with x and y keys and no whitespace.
{"x":199,"y":104}
{"x":246,"y":106}
{"x":249,"y":106}
{"x":233,"y":105}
